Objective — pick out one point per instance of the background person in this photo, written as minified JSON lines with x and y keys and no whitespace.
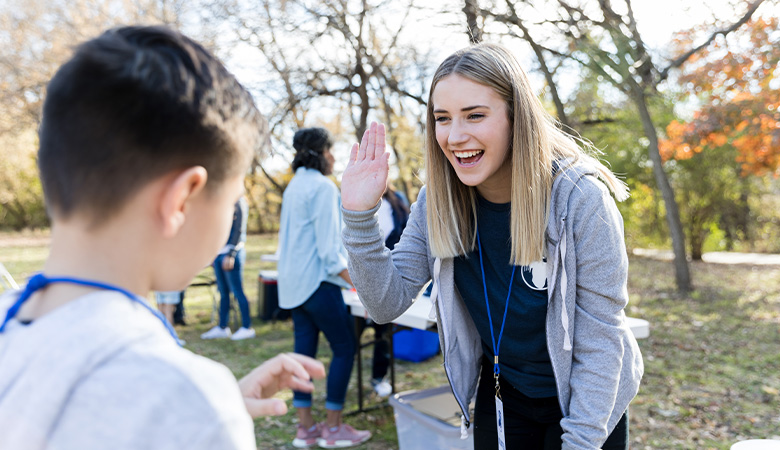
{"x":229,"y":272}
{"x":525,"y":247}
{"x":312,"y":270}
{"x":166,"y":303}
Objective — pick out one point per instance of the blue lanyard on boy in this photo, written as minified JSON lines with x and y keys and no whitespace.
{"x":496,"y":344}
{"x":39,"y":281}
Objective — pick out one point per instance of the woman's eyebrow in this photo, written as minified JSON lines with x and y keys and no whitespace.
{"x":468,"y":108}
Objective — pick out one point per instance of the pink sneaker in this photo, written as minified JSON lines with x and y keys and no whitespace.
{"x":344,"y":436}
{"x":305,"y":438}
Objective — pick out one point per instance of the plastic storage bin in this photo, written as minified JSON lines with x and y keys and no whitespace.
{"x":429,"y":419}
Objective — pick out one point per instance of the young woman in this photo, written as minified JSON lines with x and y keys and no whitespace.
{"x":312,"y":270}
{"x":517,"y":229}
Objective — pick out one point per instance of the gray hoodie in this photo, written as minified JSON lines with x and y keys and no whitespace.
{"x":102,"y":372}
{"x":595,"y":358}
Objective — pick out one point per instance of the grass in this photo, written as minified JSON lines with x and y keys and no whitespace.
{"x":712,"y":361}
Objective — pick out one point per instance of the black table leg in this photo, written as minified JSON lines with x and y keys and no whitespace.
{"x":358,"y":348}
{"x":392,"y":356}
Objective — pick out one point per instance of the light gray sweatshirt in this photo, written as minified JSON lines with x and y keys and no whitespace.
{"x":595,"y":358}
{"x":102,"y":372}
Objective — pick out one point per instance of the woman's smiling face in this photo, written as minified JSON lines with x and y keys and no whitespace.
{"x":474,"y":132}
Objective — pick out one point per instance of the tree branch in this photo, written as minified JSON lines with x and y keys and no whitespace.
{"x":677,"y":62}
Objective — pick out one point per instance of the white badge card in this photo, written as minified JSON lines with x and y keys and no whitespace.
{"x":500,"y":424}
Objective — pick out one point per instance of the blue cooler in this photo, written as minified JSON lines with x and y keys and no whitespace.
{"x":415,"y":345}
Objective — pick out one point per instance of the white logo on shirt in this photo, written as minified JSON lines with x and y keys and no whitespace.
{"x":535,"y":275}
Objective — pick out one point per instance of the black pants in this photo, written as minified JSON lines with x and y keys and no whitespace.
{"x":381,"y":360}
{"x":530,"y":423}
{"x":178,"y":313}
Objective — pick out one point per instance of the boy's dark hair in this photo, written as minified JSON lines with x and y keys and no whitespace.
{"x":136,"y":103}
{"x":310,"y":145}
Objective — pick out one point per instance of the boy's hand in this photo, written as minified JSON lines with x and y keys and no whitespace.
{"x":228,"y":262}
{"x":365,"y":178}
{"x":286,"y":370}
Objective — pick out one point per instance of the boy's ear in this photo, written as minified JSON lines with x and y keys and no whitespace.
{"x":177,"y":194}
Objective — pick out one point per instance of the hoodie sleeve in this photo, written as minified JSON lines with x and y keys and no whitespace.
{"x":595,"y":230}
{"x":387,"y":282}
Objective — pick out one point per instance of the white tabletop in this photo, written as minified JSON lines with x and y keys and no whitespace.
{"x":270,"y":257}
{"x":417,"y":314}
{"x":757,"y":444}
{"x":414,"y":317}
{"x":640,"y":327}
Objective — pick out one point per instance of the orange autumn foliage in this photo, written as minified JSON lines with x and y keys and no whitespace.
{"x":738,"y":80}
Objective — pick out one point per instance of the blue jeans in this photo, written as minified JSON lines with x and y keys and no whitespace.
{"x":230,"y":281}
{"x":326,"y":311}
{"x":530,"y":423}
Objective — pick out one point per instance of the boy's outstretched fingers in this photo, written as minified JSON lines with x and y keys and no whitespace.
{"x":265,"y":407}
{"x":286,"y":370}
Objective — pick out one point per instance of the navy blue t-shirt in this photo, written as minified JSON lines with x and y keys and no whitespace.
{"x":523,"y":356}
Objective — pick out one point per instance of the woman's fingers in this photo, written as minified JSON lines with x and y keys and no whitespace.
{"x":353,"y":153}
{"x":361,"y":154}
{"x":365,"y":178}
{"x":371,"y":150}
{"x":379,"y":143}
{"x":372,"y":145}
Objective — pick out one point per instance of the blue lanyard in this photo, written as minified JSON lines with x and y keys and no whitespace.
{"x":496,"y":344}
{"x":39,"y":281}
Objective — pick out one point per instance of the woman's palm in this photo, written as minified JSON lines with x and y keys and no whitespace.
{"x":365,"y":178}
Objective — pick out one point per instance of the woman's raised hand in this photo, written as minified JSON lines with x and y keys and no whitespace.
{"x":365,"y":178}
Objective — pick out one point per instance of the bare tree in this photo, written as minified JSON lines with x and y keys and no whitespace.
{"x":341,"y":56}
{"x":604,"y":38}
{"x":471,"y":10}
{"x":36,"y":36}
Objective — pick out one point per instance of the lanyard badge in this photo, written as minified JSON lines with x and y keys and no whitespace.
{"x":500,"y":422}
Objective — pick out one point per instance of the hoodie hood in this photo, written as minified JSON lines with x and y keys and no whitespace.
{"x":567,"y":175}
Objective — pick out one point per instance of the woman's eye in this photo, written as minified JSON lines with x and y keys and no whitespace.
{"x":475,"y":116}
{"x":441,"y":119}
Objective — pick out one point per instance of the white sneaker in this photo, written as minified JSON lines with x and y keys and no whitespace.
{"x":243,"y":333}
{"x":383,"y":389}
{"x":216,"y":333}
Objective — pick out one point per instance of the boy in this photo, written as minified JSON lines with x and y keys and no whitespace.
{"x":144,"y":143}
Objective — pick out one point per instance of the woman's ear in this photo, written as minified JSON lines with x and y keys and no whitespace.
{"x":176,"y":195}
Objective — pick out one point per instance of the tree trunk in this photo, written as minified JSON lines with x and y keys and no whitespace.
{"x":697,"y":233}
{"x":697,"y":243}
{"x":743,"y":222}
{"x":472,"y":14}
{"x":681,"y":271}
{"x":17,"y":210}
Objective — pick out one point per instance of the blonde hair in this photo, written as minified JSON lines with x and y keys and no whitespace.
{"x":536,"y":143}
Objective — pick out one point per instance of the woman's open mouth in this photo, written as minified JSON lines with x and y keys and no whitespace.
{"x":468,"y":157}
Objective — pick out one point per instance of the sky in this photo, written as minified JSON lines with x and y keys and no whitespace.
{"x":657,"y":21}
